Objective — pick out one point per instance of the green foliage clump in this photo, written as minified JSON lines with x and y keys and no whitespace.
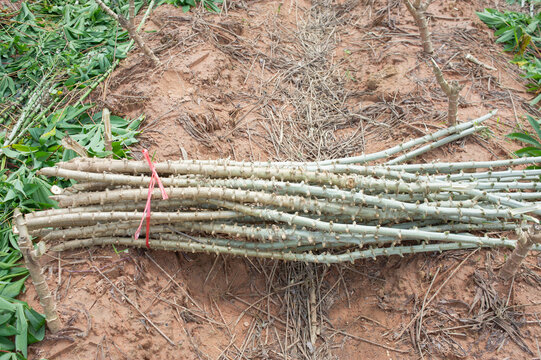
{"x":533,"y":140}
{"x":20,"y":325}
{"x":78,"y":41}
{"x":50,"y":53}
{"x":521,"y":34}
{"x":70,"y":44}
{"x":186,"y":5}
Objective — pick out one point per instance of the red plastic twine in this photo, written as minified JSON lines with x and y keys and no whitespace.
{"x":146,"y":214}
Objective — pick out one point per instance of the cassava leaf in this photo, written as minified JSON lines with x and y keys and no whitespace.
{"x":524,"y":138}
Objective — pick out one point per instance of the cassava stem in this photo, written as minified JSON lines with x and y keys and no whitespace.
{"x":526,"y":240}
{"x":417,"y":10}
{"x":132,"y":31}
{"x":325,"y":258}
{"x":452,"y":91}
{"x":34,"y":268}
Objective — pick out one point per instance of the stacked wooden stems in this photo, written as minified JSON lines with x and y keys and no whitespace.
{"x":331,"y":211}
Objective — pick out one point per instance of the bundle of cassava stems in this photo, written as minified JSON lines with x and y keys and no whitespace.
{"x":328,"y":211}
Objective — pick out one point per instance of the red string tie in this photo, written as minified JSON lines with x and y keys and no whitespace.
{"x":146,"y":213}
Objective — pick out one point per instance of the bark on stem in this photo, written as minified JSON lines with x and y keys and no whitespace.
{"x":34,"y":268}
{"x":284,"y":201}
{"x":451,"y":90}
{"x":70,"y":144}
{"x":128,"y":25}
{"x":132,"y":13}
{"x":246,"y":179}
{"x":326,"y":258}
{"x":525,"y":242}
{"x":93,"y":218}
{"x":107,"y":131}
{"x":417,"y":10}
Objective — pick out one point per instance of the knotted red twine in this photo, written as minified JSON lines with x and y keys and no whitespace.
{"x":146,"y":214}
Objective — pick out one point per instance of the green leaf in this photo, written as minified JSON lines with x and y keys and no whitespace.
{"x":524,"y":138}
{"x":528,"y":151}
{"x":488,"y":18}
{"x":24,"y":148}
{"x":36,"y":330}
{"x":10,"y":153}
{"x":21,"y":339}
{"x":536,"y":100}
{"x":10,"y":195}
{"x":5,"y":316}
{"x":48,"y":134}
{"x":7,"y":86}
{"x":36,"y":319}
{"x":12,"y":289}
{"x":535,"y":124}
{"x":36,"y":335}
{"x":532,"y":27}
{"x":7,"y":305}
{"x":18,"y":185}
{"x":8,"y":330}
{"x":506,"y":36}
{"x":6,"y":345}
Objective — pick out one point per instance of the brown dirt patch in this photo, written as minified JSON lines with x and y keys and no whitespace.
{"x":249,"y":84}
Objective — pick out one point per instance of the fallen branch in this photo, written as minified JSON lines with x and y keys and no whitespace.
{"x":476,"y":61}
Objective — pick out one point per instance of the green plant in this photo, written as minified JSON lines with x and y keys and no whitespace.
{"x":521,"y":34}
{"x":186,"y":5}
{"x":533,"y":140}
{"x":20,"y":325}
{"x":532,"y":71}
{"x":49,"y":54}
{"x":52,"y":55}
{"x":88,"y":131}
{"x":87,"y":38}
